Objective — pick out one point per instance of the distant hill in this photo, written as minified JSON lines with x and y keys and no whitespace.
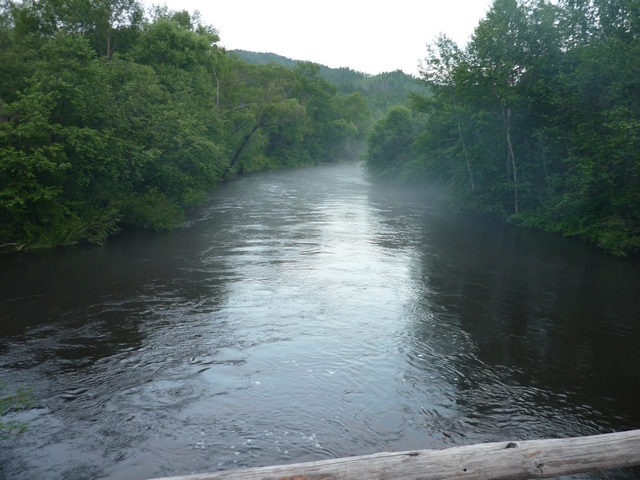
{"x":382,"y":91}
{"x":334,"y":75}
{"x":257,"y":58}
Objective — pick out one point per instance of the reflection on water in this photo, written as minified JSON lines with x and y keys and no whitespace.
{"x":304,"y":315}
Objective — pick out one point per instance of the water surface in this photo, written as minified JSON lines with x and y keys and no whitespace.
{"x":304,"y":315}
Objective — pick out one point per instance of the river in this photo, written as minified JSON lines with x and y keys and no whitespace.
{"x":303,"y":315}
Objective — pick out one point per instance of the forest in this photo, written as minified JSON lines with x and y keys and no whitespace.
{"x":381,"y":91}
{"x":536,"y":120}
{"x":114,"y":117}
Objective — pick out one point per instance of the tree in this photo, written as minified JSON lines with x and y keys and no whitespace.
{"x":390,"y":144}
{"x":106,"y":23}
{"x":107,"y":119}
{"x":536,"y":120}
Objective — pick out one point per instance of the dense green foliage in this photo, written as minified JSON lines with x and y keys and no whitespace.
{"x":536,"y":120}
{"x":109,"y":117}
{"x":382,"y":91}
{"x":385,"y":90}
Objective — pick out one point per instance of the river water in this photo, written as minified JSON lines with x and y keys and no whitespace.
{"x":304,"y":315}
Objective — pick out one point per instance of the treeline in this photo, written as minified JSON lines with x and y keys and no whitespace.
{"x":382,"y":91}
{"x":536,"y":120}
{"x":113,"y":116}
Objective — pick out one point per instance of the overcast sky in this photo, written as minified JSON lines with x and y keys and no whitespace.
{"x":367,"y":36}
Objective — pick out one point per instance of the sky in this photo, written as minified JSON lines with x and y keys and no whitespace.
{"x":367,"y":36}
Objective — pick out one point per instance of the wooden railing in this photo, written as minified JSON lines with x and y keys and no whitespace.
{"x":502,"y":460}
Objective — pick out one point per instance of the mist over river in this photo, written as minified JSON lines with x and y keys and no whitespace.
{"x":306,"y":314}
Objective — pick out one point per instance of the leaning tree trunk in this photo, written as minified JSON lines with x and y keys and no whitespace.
{"x":241,"y":147}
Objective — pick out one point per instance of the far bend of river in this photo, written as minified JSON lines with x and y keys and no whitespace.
{"x":306,"y":315}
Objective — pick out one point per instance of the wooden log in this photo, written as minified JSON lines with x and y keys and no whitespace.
{"x":502,"y":460}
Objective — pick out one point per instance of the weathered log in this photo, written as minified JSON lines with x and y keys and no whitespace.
{"x":502,"y":460}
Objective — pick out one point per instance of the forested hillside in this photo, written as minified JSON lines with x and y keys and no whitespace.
{"x":536,"y":120}
{"x":112,"y":116}
{"x":382,"y":91}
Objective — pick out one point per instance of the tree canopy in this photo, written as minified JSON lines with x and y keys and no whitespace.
{"x":110,"y":116}
{"x":535,"y":120}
